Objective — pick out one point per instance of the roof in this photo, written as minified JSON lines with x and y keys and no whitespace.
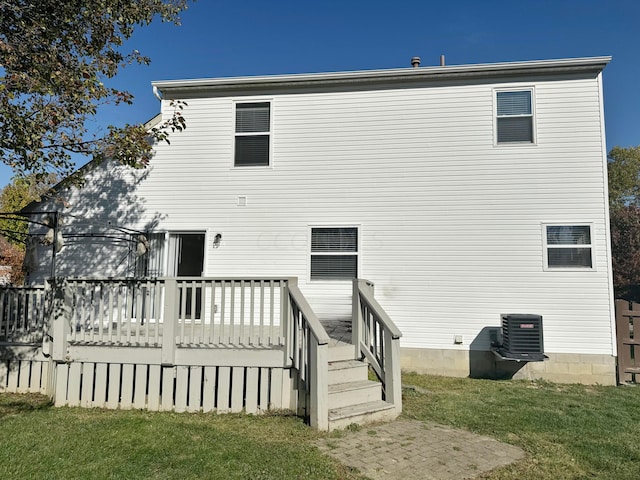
{"x":485,"y":70}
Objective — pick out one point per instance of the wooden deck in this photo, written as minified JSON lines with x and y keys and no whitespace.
{"x":195,"y":344}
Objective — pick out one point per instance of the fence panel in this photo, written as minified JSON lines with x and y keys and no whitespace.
{"x":628,"y":336}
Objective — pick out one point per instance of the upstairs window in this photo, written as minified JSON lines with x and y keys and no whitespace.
{"x":334,"y":253}
{"x":568,"y":246}
{"x":514,"y":112}
{"x":252,"y":134}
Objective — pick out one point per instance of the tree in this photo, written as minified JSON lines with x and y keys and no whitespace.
{"x":55,"y":58}
{"x":15,"y":196}
{"x":624,"y":202}
{"x":624,"y":176}
{"x":11,"y":260}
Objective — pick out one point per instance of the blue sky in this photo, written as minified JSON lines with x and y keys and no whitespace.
{"x":236,"y":37}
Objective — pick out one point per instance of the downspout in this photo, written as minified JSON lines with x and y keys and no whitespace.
{"x":156,"y":92}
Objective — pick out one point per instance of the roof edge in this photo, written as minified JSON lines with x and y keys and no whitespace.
{"x":450,"y":71}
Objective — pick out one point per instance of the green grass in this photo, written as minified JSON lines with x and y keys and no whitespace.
{"x":40,"y":441}
{"x":567,"y":431}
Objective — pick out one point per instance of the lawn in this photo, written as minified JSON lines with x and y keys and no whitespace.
{"x":568,"y":432}
{"x":40,"y":441}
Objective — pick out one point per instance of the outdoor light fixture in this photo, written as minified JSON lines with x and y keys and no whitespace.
{"x":216,"y":240}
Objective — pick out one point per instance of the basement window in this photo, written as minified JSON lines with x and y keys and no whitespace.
{"x":334,"y":253}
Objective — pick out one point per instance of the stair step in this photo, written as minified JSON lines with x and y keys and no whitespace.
{"x":370,"y":412}
{"x":340,"y":352}
{"x":353,"y":393}
{"x":347,"y":371}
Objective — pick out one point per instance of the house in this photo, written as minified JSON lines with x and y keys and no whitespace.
{"x":464,"y":193}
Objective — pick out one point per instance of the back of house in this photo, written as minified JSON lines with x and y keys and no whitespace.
{"x":467,"y":194}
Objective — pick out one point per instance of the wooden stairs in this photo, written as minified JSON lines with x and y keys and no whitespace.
{"x":353,"y":398}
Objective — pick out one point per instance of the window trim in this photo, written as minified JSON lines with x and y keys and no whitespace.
{"x":356,"y":253}
{"x":534,"y":139}
{"x":546,"y":246}
{"x":235,"y":134}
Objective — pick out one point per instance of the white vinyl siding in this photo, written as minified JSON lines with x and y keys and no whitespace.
{"x":334,"y":253}
{"x":514,"y":116}
{"x":449,"y":225}
{"x":568,"y":246}
{"x":252,"y":135}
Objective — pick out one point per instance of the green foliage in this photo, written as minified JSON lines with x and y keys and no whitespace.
{"x":624,"y":201}
{"x":624,"y":176}
{"x":14,"y":197}
{"x":56,"y":57}
{"x":625,"y":251}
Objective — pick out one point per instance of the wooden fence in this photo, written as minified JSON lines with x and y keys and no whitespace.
{"x":23,"y":367}
{"x":628,"y":335}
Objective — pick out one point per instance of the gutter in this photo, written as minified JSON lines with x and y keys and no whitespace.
{"x":589,"y":64}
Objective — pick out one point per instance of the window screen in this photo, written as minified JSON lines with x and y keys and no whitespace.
{"x":569,"y":246}
{"x":334,"y":253}
{"x":515,"y":117}
{"x":252,"y":134}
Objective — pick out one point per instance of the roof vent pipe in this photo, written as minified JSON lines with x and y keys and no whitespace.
{"x":442,"y":60}
{"x":415,"y":62}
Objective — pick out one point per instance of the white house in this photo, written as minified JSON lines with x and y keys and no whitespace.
{"x":462,"y":192}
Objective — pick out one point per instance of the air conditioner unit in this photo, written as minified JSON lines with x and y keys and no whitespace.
{"x":522,"y":337}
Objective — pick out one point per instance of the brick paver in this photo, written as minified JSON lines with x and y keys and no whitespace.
{"x":411,"y":450}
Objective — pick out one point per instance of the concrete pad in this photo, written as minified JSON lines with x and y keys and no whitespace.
{"x":412,"y":450}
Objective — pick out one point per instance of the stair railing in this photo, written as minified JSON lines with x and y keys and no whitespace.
{"x":377,"y":339}
{"x":308,"y":345}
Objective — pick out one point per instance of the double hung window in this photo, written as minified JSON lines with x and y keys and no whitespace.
{"x":568,"y":246}
{"x":334,"y":253}
{"x":514,"y":116}
{"x":252,"y":134}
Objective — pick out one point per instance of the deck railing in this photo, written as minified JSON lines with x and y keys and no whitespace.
{"x":209,"y":311}
{"x":377,"y":338}
{"x":22,"y":314}
{"x":309,"y":351}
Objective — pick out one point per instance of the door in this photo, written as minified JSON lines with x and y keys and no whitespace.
{"x":186,"y":259}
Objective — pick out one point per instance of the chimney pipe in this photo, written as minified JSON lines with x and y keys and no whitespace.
{"x":415,"y":62}
{"x":442,"y":60}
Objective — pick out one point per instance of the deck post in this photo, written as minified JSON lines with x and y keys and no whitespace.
{"x":356,"y":318}
{"x":60,"y":319}
{"x":288,"y":323}
{"x":319,"y":384}
{"x":170,"y":322}
{"x":393,"y":381}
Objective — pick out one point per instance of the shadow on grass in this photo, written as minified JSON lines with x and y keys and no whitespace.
{"x":19,"y":403}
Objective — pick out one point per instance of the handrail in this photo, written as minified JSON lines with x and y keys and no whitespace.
{"x":372,"y":303}
{"x":309,"y":344}
{"x":182,"y":279}
{"x":318,"y":331}
{"x":377,"y":339}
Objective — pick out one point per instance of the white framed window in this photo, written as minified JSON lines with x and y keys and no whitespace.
{"x":568,"y":246}
{"x":514,"y":116}
{"x":252,"y":134}
{"x":334,"y":253}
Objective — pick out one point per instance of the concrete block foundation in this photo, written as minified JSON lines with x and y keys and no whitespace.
{"x":560,"y":367}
